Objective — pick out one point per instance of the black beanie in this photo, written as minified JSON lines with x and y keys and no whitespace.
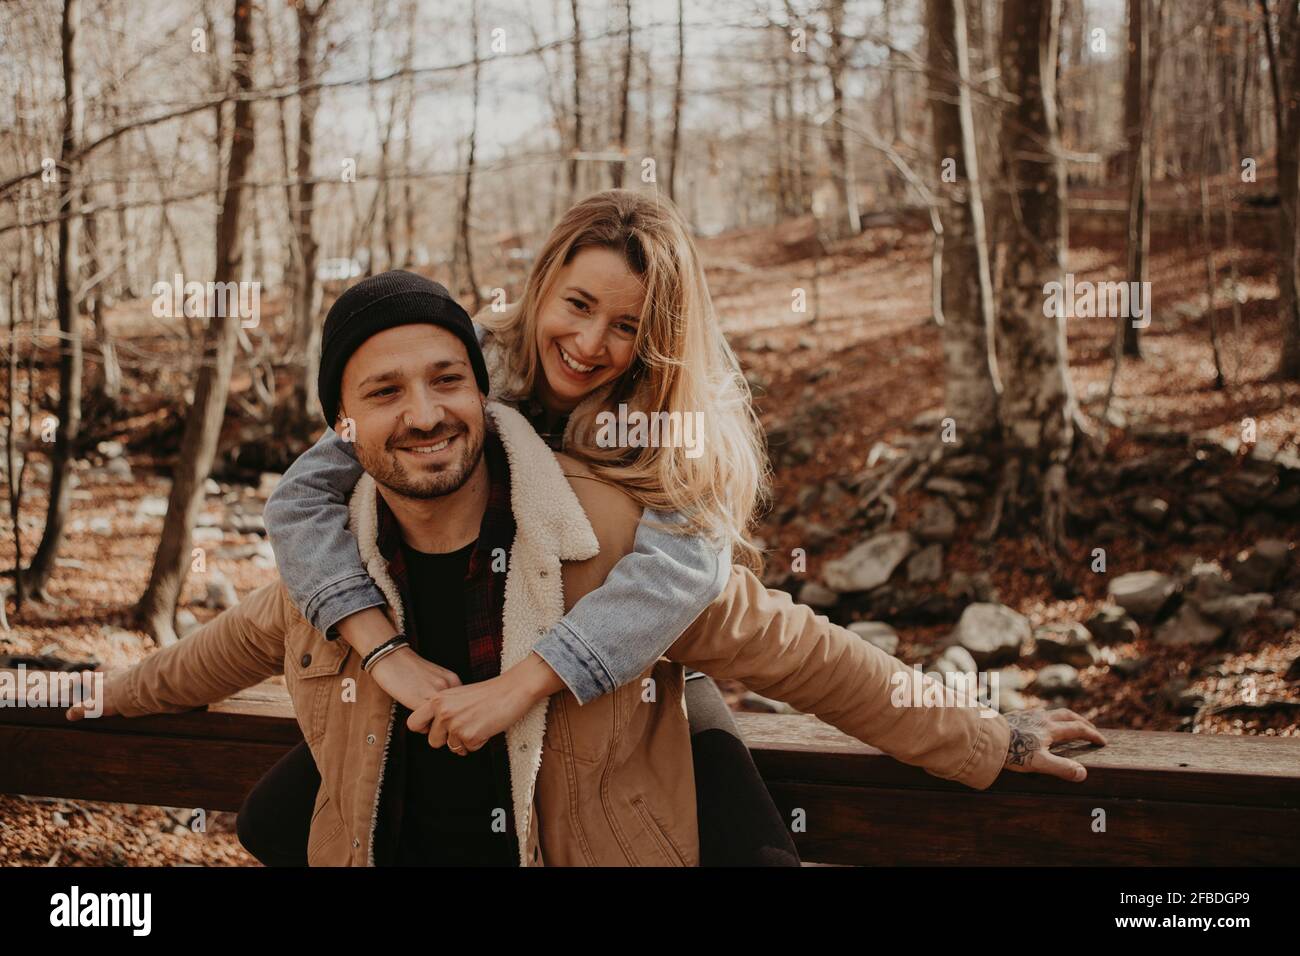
{"x":383,"y":302}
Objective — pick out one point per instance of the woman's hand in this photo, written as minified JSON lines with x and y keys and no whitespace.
{"x":1033,"y":731}
{"x":410,"y":679}
{"x":465,"y":718}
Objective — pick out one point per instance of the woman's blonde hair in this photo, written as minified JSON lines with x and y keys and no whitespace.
{"x":682,"y":364}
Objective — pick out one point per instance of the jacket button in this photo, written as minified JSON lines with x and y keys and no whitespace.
{"x":541,"y":574}
{"x":370,"y":738}
{"x":306,"y":660}
{"x":356,"y":842}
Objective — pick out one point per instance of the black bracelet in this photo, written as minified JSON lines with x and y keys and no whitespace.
{"x":392,"y":644}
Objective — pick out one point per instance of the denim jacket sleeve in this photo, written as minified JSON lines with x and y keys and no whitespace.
{"x":307,"y":522}
{"x":649,"y":598}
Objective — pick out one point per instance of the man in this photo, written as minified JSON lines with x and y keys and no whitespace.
{"x":454,"y":484}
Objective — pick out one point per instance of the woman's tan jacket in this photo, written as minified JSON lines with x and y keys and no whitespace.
{"x":605,"y":784}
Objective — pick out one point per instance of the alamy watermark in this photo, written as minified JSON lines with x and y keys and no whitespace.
{"x":21,"y":687}
{"x":950,"y":689}
{"x":1083,"y":299}
{"x":208,"y":300}
{"x":639,"y":429}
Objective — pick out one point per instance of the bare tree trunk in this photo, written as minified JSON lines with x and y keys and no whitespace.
{"x":15,"y":461}
{"x":1137,"y":106}
{"x":109,"y":385}
{"x":1037,"y":400}
{"x":1284,"y":72}
{"x":846,"y":221}
{"x":157,"y":608}
{"x":306,"y":287}
{"x":70,"y":356}
{"x":579,"y":78}
{"x":467,"y":198}
{"x":624,"y":92}
{"x":970,"y":390}
{"x":675,"y":145}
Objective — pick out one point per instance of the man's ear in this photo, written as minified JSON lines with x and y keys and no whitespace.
{"x":344,"y":426}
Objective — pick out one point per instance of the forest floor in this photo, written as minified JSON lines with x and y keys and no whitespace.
{"x":872,"y":349}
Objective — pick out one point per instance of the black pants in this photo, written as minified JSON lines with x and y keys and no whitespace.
{"x":739,"y":824}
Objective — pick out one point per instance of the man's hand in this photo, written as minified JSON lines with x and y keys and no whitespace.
{"x":107,"y":704}
{"x":1033,"y":731}
{"x":410,"y":679}
{"x":465,"y":718}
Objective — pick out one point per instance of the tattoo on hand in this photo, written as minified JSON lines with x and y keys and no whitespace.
{"x":1028,"y":734}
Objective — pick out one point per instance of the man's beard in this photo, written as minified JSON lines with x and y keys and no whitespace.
{"x":388,"y":470}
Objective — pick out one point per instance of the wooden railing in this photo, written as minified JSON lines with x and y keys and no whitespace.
{"x":1150,"y":798}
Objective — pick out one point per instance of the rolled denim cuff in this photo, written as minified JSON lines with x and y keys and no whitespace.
{"x":573,"y":659}
{"x":341,"y":599}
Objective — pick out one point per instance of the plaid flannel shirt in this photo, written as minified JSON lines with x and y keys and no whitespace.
{"x":485,"y":590}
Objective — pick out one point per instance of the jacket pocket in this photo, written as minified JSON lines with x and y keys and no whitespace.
{"x":327,"y":828}
{"x":311,"y":668}
{"x":580,"y":731}
{"x":671,"y":854}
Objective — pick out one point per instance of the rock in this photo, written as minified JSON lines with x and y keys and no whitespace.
{"x":817,"y":536}
{"x":186,"y":622}
{"x":219,"y":593}
{"x":1205,"y":581}
{"x":1130,"y":666}
{"x":1011,"y":678}
{"x":1175,"y":693}
{"x":974,"y":587}
{"x":952,"y":488}
{"x":870,"y":564}
{"x":877,"y":633}
{"x":206,"y":533}
{"x":1009,"y":700}
{"x":955,"y":658}
{"x":1188,"y":628}
{"x":1250,"y":487}
{"x":1142,"y":593}
{"x":100,"y":525}
{"x":817,"y":596}
{"x":926,"y":565}
{"x":1260,"y":568}
{"x":1066,"y":644}
{"x":266,"y":483}
{"x":1111,"y":531}
{"x":1211,"y":507}
{"x":1057,"y":679}
{"x":241,"y":523}
{"x":1293,"y":672}
{"x":151,"y":506}
{"x":1112,"y":625}
{"x":993,"y":633}
{"x":1235,"y":610}
{"x":1208,"y":533}
{"x":1154,"y":511}
{"x":1283,"y":619}
{"x":118,"y":468}
{"x":110,"y":449}
{"x":938,"y":522}
{"x":210,"y":487}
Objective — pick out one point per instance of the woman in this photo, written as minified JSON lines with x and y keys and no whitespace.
{"x":615,"y":317}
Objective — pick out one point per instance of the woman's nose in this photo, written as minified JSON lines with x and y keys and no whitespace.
{"x":591,"y":340}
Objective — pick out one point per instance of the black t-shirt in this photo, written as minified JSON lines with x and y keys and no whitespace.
{"x":450,"y":810}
